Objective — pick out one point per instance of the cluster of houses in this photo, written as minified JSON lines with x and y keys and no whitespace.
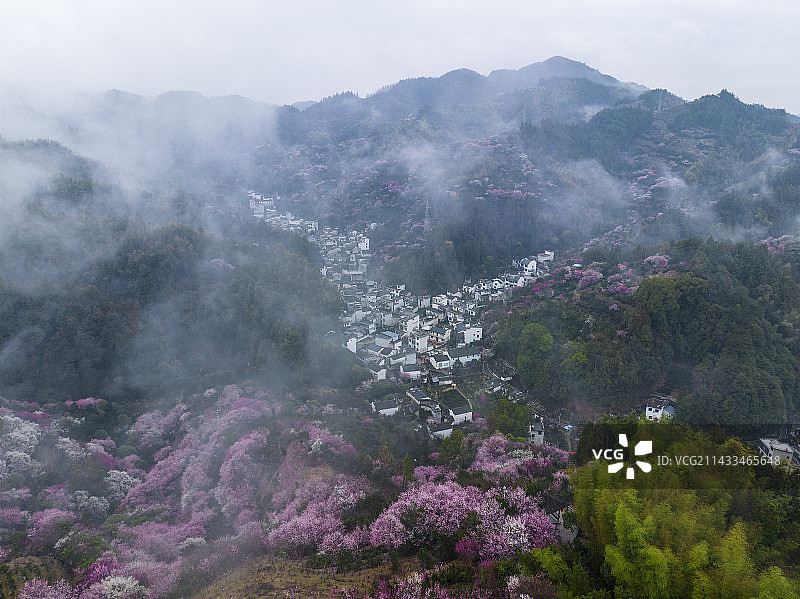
{"x":443,"y":414}
{"x":417,"y":337}
{"x":392,"y":331}
{"x":426,"y":338}
{"x":263,"y":208}
{"x":421,"y":338}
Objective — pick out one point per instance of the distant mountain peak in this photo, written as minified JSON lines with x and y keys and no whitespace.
{"x":556,"y":66}
{"x":562,"y":60}
{"x":462,"y":73}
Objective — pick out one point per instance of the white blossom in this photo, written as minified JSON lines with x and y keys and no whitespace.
{"x":119,"y":482}
{"x":118,"y":587}
{"x":72,"y":449}
{"x":22,"y":463}
{"x":188,"y":545}
{"x":514,"y":533}
{"x":19,"y":435}
{"x":92,"y":507}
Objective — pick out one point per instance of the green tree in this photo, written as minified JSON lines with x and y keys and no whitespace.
{"x":732,"y":573}
{"x":510,"y":418}
{"x":408,"y":470}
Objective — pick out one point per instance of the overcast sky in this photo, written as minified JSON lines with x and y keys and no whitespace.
{"x":287,"y":51}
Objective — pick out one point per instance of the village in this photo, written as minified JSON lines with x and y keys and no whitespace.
{"x":432,"y":342}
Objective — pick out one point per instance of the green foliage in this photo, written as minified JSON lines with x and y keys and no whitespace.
{"x":563,"y":568}
{"x":408,"y":469}
{"x":172,"y":309}
{"x":451,"y":449}
{"x":380,"y":389}
{"x":80,"y":548}
{"x":365,"y":510}
{"x":721,"y":337}
{"x":14,"y":574}
{"x":509,"y":418}
{"x":685,"y":531}
{"x":506,"y":567}
{"x":731,"y":574}
{"x":455,"y":575}
{"x":773,"y":585}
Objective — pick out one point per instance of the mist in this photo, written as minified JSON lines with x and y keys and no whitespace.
{"x":192,"y":390}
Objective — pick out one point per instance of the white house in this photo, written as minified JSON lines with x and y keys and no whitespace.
{"x":387,"y":407}
{"x":461,"y":414}
{"x":418,"y":341}
{"x":465,"y":355}
{"x":473,"y":334}
{"x":396,"y":358}
{"x":659,"y":407}
{"x":441,"y":431}
{"x":378,"y":372}
{"x":441,"y":361}
{"x":536,"y":432}
{"x":778,"y":452}
{"x":529,"y":266}
{"x":363,"y":244}
{"x":411,"y":371}
{"x":411,"y":323}
{"x":417,"y":396}
{"x":545,"y":256}
{"x":438,"y":335}
{"x":394,"y":338}
{"x":372,"y":350}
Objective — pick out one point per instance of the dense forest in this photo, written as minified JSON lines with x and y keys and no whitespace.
{"x":131,"y":306}
{"x":713,"y":323}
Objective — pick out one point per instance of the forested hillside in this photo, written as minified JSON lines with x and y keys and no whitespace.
{"x":106,"y":294}
{"x":713,"y":323}
{"x":232,"y":487}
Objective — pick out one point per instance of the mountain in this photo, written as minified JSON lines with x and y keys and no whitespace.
{"x":201,"y":143}
{"x":553,"y":154}
{"x":465,"y":88}
{"x":505,"y":80}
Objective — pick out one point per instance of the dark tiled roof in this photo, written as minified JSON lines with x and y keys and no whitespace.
{"x":388,"y":404}
{"x":464,"y":351}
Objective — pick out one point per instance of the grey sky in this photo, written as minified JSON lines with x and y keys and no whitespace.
{"x":283,"y":52}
